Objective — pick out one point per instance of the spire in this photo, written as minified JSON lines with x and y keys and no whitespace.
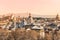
{"x":57,"y":17}
{"x":29,"y":15}
{"x":30,"y":18}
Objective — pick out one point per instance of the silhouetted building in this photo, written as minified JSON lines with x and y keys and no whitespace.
{"x":29,"y":19}
{"x":57,"y":17}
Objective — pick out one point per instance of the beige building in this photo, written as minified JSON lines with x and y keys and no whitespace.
{"x":30,"y":19}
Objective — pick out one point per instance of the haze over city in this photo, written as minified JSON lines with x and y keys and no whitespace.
{"x":37,"y":7}
{"x":29,"y":19}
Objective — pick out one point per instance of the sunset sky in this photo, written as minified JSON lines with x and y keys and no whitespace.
{"x":38,"y":7}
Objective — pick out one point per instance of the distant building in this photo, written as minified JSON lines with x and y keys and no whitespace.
{"x":29,"y":19}
{"x":57,"y":17}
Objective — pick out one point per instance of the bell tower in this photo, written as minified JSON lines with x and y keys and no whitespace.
{"x":29,"y":15}
{"x":30,"y":18}
{"x":57,"y":17}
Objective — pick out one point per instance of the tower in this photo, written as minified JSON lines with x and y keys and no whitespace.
{"x":30,"y":19}
{"x":57,"y":17}
{"x":30,"y":15}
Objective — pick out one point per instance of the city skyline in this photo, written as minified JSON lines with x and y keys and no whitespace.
{"x":37,"y":7}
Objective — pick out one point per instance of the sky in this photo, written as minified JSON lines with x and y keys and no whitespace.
{"x":37,"y":7}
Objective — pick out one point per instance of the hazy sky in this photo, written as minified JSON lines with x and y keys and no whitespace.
{"x":39,"y":7}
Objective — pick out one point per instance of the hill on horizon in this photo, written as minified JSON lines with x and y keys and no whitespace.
{"x":33,"y":15}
